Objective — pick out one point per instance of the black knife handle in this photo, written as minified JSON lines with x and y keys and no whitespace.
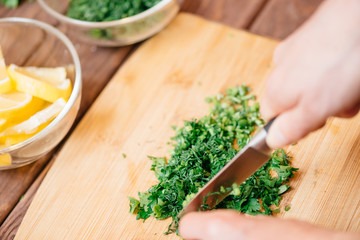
{"x":268,"y":125}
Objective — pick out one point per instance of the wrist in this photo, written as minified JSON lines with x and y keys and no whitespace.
{"x":333,"y":31}
{"x":343,"y":15}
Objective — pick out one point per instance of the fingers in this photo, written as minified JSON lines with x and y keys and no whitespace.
{"x":279,"y":95}
{"x":230,"y":225}
{"x":293,"y":125}
{"x":220,"y":224}
{"x":350,"y":112}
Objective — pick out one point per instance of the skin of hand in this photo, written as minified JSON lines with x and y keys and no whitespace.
{"x":231,"y":225}
{"x":316,"y":76}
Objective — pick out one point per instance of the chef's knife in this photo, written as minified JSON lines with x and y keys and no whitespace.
{"x":245,"y":163}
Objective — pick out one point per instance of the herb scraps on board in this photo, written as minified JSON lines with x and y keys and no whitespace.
{"x":107,"y":10}
{"x":201,"y":148}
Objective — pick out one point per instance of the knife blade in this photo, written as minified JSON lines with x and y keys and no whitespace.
{"x":245,"y":163}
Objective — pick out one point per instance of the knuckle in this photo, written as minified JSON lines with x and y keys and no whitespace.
{"x":315,"y":109}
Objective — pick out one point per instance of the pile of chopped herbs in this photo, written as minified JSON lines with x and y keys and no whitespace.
{"x":202,"y":147}
{"x":107,"y":10}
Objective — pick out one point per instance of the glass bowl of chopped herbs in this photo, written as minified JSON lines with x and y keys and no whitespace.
{"x":113,"y":22}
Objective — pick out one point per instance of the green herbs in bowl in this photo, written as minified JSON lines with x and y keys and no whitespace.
{"x":107,"y":10}
{"x":113,"y":22}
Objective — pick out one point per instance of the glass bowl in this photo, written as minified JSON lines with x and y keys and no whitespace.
{"x":27,"y":42}
{"x":121,"y":32}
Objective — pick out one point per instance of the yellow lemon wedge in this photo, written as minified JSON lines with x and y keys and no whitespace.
{"x":22,"y":131}
{"x":5,"y":82}
{"x":2,"y":122}
{"x":5,"y":160}
{"x":45,"y":83}
{"x":55,"y":76}
{"x":17,"y":106}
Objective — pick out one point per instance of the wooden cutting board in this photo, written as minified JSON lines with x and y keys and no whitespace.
{"x":84,"y":195}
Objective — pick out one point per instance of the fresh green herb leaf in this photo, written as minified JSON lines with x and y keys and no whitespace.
{"x":283,"y":189}
{"x":287,"y":208}
{"x":134,"y":204}
{"x":277,"y":210}
{"x":253,"y":206}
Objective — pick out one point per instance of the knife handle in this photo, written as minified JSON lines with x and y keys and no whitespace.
{"x":258,"y":142}
{"x":268,"y":125}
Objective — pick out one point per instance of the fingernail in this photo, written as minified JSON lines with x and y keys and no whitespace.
{"x":276,"y":139}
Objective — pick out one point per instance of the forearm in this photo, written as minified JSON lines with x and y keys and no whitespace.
{"x":340,"y":17}
{"x":335,"y":26}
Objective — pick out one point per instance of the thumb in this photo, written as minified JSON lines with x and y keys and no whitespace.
{"x":219,"y":224}
{"x":293,"y":125}
{"x":231,"y":225}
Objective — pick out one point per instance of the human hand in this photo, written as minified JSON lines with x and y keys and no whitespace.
{"x":231,"y":225}
{"x":316,"y":75}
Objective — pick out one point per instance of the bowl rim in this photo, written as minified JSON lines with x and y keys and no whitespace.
{"x":76,"y":91}
{"x":87,"y":24}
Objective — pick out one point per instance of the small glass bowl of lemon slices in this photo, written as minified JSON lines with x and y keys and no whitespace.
{"x":40,"y":90}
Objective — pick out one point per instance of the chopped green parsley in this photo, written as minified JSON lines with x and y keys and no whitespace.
{"x":201,"y":148}
{"x":107,"y":10}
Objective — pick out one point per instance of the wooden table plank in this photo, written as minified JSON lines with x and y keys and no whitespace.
{"x":234,"y":13}
{"x":14,"y":183}
{"x":279,"y":18}
{"x":10,"y":226}
{"x":98,"y":65}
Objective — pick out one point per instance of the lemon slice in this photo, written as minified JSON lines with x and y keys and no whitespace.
{"x":2,"y":122}
{"x":54,"y":76}
{"x":45,"y":83}
{"x":20,"y":132}
{"x":5,"y":160}
{"x":5,"y":82}
{"x":34,"y":122}
{"x":18,"y":106}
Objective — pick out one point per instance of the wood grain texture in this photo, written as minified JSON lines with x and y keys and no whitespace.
{"x":327,"y":190}
{"x":10,"y":192}
{"x":10,"y":226}
{"x":280,"y":18}
{"x":84,"y":195}
{"x":98,"y":65}
{"x":234,"y":13}
{"x":240,"y":13}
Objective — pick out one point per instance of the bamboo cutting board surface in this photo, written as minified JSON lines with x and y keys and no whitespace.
{"x":84,"y":195}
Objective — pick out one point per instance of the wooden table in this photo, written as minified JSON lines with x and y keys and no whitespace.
{"x":273,"y":18}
